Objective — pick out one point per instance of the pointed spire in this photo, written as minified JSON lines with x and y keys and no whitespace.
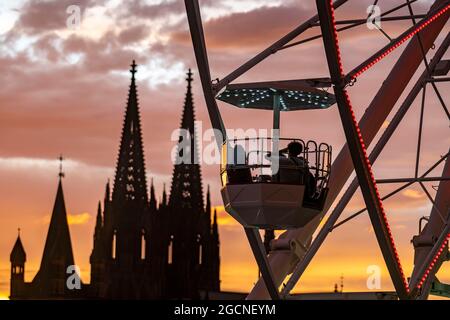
{"x":215,"y":227}
{"x":186,"y":190}
{"x":153,"y":203}
{"x":133,"y":70}
{"x":189,"y":79}
{"x":130,"y":181}
{"x":164,"y":196}
{"x":188,"y":118}
{"x":99,"y":222}
{"x":18,"y":255}
{"x":107,"y":194}
{"x":61,"y":172}
{"x":58,"y":246}
{"x":208,"y":208}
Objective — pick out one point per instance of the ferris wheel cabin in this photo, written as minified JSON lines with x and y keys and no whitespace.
{"x":276,"y":183}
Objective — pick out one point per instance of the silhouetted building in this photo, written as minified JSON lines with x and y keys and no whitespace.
{"x":142,"y":249}
{"x":50,"y":280}
{"x":193,"y":245}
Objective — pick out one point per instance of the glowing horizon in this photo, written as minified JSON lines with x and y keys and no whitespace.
{"x":65,"y":92}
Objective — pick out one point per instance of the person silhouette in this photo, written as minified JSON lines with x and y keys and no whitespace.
{"x":238,"y":172}
{"x":295,"y":149}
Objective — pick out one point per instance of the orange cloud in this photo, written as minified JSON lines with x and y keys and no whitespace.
{"x":72,"y":219}
{"x":414,"y":194}
{"x":81,"y":218}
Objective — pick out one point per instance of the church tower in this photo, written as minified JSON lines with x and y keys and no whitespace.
{"x":186,"y":191}
{"x":50,"y":281}
{"x":149,"y":250}
{"x":142,"y":249}
{"x":121,"y":264}
{"x":18,"y":258}
{"x":190,"y":234}
{"x":55,"y":276}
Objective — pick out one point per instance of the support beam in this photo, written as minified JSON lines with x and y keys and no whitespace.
{"x":418,"y":179}
{"x":347,"y":196}
{"x":432,"y":230}
{"x":382,"y":19}
{"x":198,"y":41}
{"x":361,"y":22}
{"x":431,"y":263}
{"x":259,"y":252}
{"x":358,"y":152}
{"x":271,"y":49}
{"x":390,"y":194}
{"x":282,"y":262}
{"x":414,"y":30}
{"x":444,"y":79}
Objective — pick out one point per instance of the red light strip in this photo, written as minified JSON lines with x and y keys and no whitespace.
{"x":399,"y":43}
{"x":433,"y":262}
{"x":361,"y":140}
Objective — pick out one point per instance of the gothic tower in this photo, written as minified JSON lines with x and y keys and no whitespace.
{"x":142,"y":249}
{"x":121,"y":264}
{"x":190,"y":234}
{"x":146,"y":250}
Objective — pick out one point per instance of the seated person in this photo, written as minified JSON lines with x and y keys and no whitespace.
{"x":294,"y":150}
{"x":299,"y":172}
{"x":237,"y":171}
{"x":289,"y":166}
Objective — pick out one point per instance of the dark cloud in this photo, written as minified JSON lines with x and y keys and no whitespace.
{"x":133,"y":34}
{"x":140,"y":9}
{"x":250,"y":29}
{"x":103,"y":55}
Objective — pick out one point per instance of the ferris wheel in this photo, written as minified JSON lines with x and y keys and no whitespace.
{"x":291,"y":184}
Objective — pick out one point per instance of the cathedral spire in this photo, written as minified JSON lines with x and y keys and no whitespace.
{"x":164,"y":196}
{"x":188,"y":118}
{"x":215,"y":227}
{"x":99,"y":222}
{"x":130,"y":183}
{"x":133,"y":70}
{"x":208,"y":208}
{"x":61,"y":172}
{"x":107,"y":194}
{"x":58,"y":246}
{"x":152,"y":196}
{"x":186,"y":190}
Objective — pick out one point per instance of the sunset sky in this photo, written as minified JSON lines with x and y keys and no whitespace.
{"x":64,"y":91}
